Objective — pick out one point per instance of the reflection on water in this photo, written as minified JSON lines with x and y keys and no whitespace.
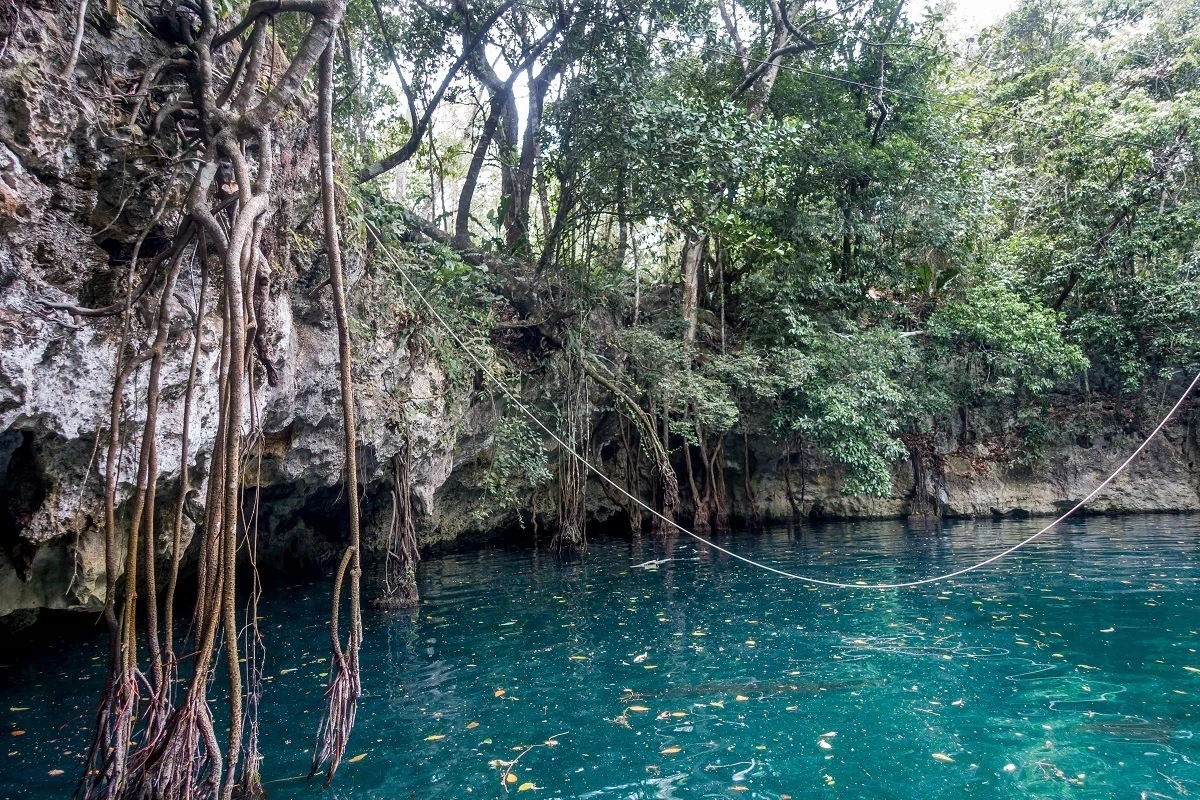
{"x":651,"y":669}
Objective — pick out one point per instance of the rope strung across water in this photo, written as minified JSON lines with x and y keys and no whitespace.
{"x":713,"y":545}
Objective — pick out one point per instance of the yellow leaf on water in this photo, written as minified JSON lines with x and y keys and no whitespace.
{"x":286,"y":671}
{"x":487,"y":741}
{"x":435,"y":737}
{"x":670,"y":751}
{"x":942,"y":757}
{"x":19,"y":708}
{"x":356,"y":759}
{"x":638,"y":708}
{"x":741,"y":698}
{"x":579,"y":658}
{"x":737,"y":788}
{"x":472,"y":725}
{"x":54,"y":773}
{"x":1192,"y":669}
{"x":510,"y":778}
{"x":526,"y":786}
{"x":498,"y":693}
{"x":1108,"y":630}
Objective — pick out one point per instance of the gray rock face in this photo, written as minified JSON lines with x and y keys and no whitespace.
{"x":72,"y":202}
{"x":971,"y":482}
{"x":70,"y":209}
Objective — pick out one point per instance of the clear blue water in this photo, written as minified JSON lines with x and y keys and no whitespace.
{"x":1070,"y":670}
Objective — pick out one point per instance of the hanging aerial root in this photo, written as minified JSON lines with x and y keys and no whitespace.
{"x":400,"y":577}
{"x":108,"y":756}
{"x":341,"y":697}
{"x":185,"y":764}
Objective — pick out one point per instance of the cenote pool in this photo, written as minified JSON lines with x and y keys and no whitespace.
{"x":1069,"y":670}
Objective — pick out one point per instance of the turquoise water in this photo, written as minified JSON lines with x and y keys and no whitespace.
{"x":1068,"y":671}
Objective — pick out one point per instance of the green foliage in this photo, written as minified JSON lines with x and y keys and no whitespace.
{"x":871,"y":261}
{"x":992,"y":342}
{"x":518,"y":463}
{"x":851,"y":402}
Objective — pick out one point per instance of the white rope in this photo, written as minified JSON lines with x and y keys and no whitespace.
{"x":782,"y":573}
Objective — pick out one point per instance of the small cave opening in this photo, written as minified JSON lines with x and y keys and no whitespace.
{"x":23,"y":489}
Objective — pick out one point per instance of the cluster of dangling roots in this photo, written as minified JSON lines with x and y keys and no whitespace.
{"x":209,"y":108}
{"x":400,"y":577}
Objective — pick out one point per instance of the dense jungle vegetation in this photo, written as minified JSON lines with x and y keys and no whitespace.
{"x":835,"y":224}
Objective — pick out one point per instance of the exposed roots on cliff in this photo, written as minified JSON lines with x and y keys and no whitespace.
{"x":219,"y":93}
{"x":400,"y":576}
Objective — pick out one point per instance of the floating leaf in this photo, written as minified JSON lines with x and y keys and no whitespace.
{"x":18,"y":733}
{"x":829,"y":780}
{"x":741,"y":698}
{"x":527,"y":786}
{"x":54,"y":773}
{"x":510,"y":778}
{"x":487,"y":741}
{"x":498,"y":693}
{"x":638,"y":708}
{"x":824,"y":744}
{"x":472,"y":725}
{"x":435,"y":737}
{"x":942,"y":757}
{"x":19,"y":708}
{"x":579,"y":658}
{"x":1108,"y":630}
{"x":672,"y":750}
{"x":737,"y":788}
{"x":1193,"y":669}
{"x":356,"y":759}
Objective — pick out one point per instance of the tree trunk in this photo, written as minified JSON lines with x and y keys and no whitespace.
{"x":693,"y":259}
{"x":753,"y":518}
{"x":462,"y":221}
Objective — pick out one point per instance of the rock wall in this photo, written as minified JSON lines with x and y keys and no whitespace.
{"x":973,"y":480}
{"x":75,"y":195}
{"x":71,"y":206}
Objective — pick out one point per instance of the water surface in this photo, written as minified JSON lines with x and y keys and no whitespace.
{"x":1068,"y":671}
